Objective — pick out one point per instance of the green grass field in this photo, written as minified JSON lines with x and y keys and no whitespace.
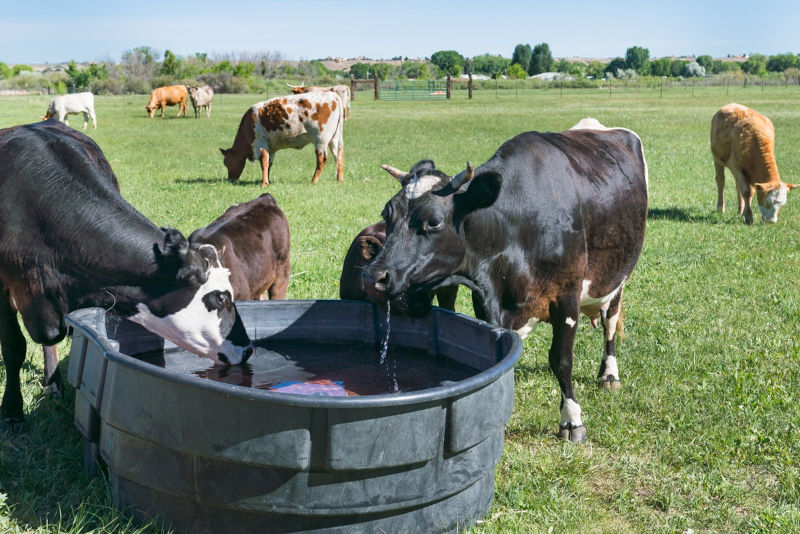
{"x":705,"y":432}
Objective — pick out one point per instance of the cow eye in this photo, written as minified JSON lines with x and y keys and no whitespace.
{"x":434,"y":224}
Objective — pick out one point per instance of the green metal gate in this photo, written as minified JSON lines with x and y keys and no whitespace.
{"x":413,"y":90}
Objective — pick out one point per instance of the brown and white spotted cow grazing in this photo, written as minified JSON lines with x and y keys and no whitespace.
{"x":744,"y":141}
{"x":362,"y":251}
{"x":342,"y":90}
{"x":170,"y":95}
{"x":549,"y":228}
{"x":201,"y":97}
{"x":291,"y":121}
{"x":253,"y":240}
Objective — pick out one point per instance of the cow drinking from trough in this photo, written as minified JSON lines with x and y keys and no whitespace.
{"x":744,"y":141}
{"x":68,"y":240}
{"x":253,"y":241}
{"x":170,"y":95}
{"x":291,"y":121}
{"x":72,"y":104}
{"x":362,"y":251}
{"x":201,"y":97}
{"x":551,"y":226}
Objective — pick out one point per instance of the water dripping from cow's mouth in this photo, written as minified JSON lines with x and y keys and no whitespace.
{"x":387,"y":362}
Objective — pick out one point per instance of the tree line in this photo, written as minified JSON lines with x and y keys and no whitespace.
{"x":142,"y":69}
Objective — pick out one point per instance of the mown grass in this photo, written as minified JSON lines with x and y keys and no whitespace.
{"x":704,"y":434}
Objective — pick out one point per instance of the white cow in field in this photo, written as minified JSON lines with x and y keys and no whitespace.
{"x":75,"y":103}
{"x":201,"y":97}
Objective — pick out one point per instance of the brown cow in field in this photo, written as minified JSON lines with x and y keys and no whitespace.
{"x":342,"y":90}
{"x":170,"y":95}
{"x":253,"y":240}
{"x":744,"y":141}
{"x":291,"y":121}
{"x":362,"y":251}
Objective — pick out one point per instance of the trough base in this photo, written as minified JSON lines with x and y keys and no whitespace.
{"x":450,"y":515}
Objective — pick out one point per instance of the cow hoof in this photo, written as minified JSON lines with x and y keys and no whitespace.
{"x":575,"y":435}
{"x":610,"y":382}
{"x":12,"y":425}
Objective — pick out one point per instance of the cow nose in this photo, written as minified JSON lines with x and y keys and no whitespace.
{"x":382,"y":281}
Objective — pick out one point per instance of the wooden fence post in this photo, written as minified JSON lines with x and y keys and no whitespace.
{"x":469,"y":86}
{"x":448,"y":87}
{"x":352,"y":88}
{"x":376,"y":87}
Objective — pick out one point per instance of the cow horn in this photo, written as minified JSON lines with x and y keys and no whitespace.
{"x":463,"y":176}
{"x":397,"y":173}
{"x":289,"y":86}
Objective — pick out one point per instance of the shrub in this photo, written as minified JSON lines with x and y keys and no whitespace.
{"x":109,"y":86}
{"x":694,"y":69}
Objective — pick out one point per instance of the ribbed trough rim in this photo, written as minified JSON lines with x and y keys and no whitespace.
{"x":82,"y":320}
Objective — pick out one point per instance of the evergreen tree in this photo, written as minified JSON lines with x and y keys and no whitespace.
{"x":541,"y":59}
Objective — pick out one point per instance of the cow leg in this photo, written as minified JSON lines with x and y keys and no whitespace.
{"x":609,"y":372}
{"x":719,"y":170}
{"x":446,"y":297}
{"x":85,"y":120}
{"x":208,"y":111}
{"x":322,"y":156}
{"x":52,"y":376}
{"x":338,"y":155}
{"x":281,"y":285}
{"x":745,"y":198}
{"x":94,"y":119}
{"x":12,"y":343}
{"x":265,"y":166}
{"x":565,"y":323}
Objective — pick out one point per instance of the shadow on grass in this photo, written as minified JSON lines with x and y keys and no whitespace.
{"x":216,"y":180}
{"x":684,"y":215}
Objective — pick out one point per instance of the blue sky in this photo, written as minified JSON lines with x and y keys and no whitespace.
{"x":46,"y":31}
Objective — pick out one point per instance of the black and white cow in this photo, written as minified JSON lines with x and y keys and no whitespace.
{"x":68,"y":240}
{"x":551,"y":226}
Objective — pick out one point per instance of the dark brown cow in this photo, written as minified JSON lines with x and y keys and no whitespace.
{"x":291,"y":121}
{"x":362,"y":251}
{"x":253,"y":240}
{"x":170,"y":95}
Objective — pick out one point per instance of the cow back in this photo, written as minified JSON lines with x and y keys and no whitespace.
{"x":254,"y":242}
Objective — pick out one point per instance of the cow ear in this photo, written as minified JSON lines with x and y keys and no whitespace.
{"x":370,"y":246}
{"x":792,"y":186}
{"x":174,"y":243}
{"x":482,"y":192}
{"x":224,"y":151}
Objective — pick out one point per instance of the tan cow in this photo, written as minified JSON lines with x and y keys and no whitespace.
{"x":291,"y":121}
{"x":169,"y":95}
{"x":744,"y":141}
{"x":342,"y":90}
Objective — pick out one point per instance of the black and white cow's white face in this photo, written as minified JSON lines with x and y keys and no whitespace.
{"x":425,"y":241}
{"x":200,"y":316}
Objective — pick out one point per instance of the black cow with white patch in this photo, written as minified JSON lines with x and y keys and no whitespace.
{"x":68,"y":240}
{"x":551,"y":226}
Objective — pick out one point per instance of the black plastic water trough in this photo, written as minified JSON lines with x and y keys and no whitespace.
{"x":204,"y":456}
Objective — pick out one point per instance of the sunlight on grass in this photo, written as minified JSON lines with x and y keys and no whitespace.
{"x":703,"y":435}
